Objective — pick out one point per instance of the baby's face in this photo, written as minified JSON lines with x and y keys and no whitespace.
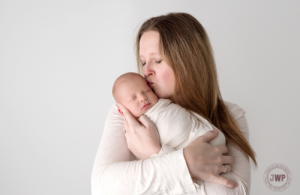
{"x":136,"y":96}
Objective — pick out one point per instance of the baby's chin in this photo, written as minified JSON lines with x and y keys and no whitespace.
{"x":144,"y":111}
{"x":148,"y":108}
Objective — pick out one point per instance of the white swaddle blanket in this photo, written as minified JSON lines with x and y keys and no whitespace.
{"x":178,"y":127}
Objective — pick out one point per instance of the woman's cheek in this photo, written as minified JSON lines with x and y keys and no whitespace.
{"x":156,"y":91}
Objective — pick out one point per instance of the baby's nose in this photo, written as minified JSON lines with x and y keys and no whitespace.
{"x":144,"y":98}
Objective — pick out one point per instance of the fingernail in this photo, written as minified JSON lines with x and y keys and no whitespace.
{"x":235,"y":185}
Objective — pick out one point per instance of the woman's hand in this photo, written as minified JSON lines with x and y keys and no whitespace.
{"x":142,"y":136}
{"x":205,"y":162}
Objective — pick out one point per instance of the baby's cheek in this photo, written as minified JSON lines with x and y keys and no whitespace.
{"x":136,"y":112}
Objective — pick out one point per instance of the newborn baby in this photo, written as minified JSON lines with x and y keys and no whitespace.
{"x":177,"y":127}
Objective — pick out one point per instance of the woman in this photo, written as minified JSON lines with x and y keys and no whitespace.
{"x":175,"y":57}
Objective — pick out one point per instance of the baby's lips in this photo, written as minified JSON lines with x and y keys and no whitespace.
{"x":145,"y":105}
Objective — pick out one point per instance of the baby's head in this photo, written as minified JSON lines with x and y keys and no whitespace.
{"x":133,"y":92}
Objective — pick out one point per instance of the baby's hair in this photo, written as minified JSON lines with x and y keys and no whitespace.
{"x":120,"y":79}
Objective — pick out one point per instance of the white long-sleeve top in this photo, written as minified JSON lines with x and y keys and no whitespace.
{"x":117,"y":171}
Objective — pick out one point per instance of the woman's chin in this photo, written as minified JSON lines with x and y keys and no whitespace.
{"x":160,"y":95}
{"x":157,"y":94}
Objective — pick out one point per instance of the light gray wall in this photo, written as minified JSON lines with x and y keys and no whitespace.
{"x":59,"y":59}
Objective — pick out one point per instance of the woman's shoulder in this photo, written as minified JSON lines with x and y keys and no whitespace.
{"x":235,"y":110}
{"x":114,"y":107}
{"x":113,"y":114}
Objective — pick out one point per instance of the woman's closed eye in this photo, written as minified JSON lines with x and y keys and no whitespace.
{"x":143,"y":63}
{"x":157,"y":62}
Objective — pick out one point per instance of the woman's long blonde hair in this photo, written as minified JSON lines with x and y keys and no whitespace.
{"x":185,"y":46}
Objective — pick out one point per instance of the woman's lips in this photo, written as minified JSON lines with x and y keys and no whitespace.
{"x":149,"y":83}
{"x":146,"y":106}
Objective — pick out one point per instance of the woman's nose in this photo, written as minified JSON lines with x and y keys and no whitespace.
{"x":147,"y":70}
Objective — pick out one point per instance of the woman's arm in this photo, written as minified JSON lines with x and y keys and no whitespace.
{"x":114,"y":172}
{"x":240,"y":173}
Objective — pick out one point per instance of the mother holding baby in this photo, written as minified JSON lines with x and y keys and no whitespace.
{"x":175,"y":57}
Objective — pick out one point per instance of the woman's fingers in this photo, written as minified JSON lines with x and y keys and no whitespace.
{"x":128,"y":116}
{"x":223,"y":149}
{"x":228,"y":169}
{"x":145,"y":121}
{"x":209,"y":135}
{"x":227,"y":159}
{"x":126,"y":125}
{"x":222,"y":169}
{"x":225,"y":182}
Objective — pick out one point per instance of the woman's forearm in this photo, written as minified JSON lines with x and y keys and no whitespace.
{"x":154,"y":175}
{"x":115,"y":172}
{"x":240,"y":173}
{"x":206,"y":188}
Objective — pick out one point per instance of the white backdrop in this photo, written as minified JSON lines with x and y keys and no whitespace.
{"x":59,"y":59}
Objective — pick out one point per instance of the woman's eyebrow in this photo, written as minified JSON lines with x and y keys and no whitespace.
{"x":153,"y":53}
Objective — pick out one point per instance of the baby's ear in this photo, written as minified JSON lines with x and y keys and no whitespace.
{"x":120,"y":111}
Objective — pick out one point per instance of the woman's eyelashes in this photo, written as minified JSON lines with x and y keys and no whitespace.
{"x":157,"y":62}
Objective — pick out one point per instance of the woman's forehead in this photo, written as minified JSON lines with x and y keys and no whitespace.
{"x":149,"y":43}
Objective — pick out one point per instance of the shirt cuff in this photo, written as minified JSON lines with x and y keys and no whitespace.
{"x":164,"y":150}
{"x":175,"y":171}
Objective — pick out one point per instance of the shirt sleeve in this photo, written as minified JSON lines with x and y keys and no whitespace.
{"x":116,"y":172}
{"x":240,"y":173}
